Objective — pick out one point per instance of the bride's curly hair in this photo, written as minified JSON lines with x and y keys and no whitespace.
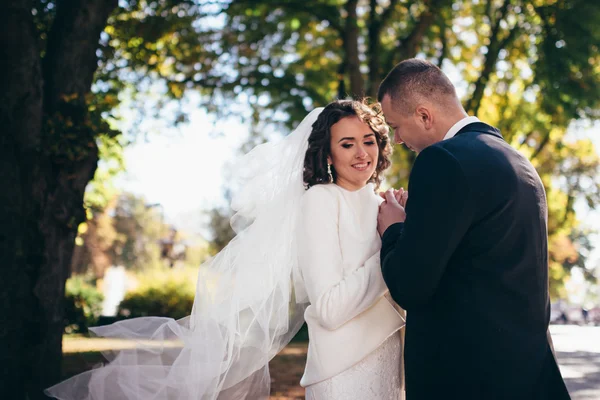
{"x":319,"y":141}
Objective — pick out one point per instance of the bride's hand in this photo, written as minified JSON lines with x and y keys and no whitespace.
{"x":401,"y":196}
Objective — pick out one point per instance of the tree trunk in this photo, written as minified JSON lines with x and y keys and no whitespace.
{"x":410,"y":45}
{"x":20,"y":240}
{"x":376,"y":25}
{"x":491,"y":57}
{"x":374,"y":50}
{"x":48,"y":155}
{"x":342,"y":81}
{"x":444,"y":41}
{"x":350,"y":39}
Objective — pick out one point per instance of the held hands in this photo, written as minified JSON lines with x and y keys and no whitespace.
{"x":391,"y":210}
{"x":400,"y":195}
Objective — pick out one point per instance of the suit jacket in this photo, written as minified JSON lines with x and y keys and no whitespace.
{"x":470,"y":266}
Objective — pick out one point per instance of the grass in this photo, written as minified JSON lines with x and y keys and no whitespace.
{"x":81,"y":353}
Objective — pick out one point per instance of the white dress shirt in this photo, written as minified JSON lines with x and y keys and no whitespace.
{"x":349,"y":314}
{"x":459,"y":125}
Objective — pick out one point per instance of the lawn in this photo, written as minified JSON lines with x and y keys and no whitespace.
{"x":82,"y":353}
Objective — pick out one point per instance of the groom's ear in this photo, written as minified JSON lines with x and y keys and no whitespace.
{"x":424,"y":116}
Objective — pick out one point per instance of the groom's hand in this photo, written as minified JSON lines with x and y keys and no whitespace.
{"x":400,"y":195}
{"x":390,"y":212}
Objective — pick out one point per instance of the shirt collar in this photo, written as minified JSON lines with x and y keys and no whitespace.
{"x":459,"y":125}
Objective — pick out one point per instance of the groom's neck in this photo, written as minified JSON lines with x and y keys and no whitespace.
{"x":449,"y":119}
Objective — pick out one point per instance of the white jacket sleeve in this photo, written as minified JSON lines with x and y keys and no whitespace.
{"x":335,"y":297}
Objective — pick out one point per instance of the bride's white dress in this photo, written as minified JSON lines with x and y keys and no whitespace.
{"x":377,"y":377}
{"x":354,"y":349}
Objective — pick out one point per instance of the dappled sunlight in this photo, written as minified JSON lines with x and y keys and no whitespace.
{"x":82,"y":344}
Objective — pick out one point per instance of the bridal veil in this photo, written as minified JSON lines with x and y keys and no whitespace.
{"x":249,"y":301}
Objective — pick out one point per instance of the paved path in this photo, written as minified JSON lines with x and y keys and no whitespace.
{"x":578,"y":352}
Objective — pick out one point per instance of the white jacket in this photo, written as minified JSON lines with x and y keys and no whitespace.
{"x":338,"y":246}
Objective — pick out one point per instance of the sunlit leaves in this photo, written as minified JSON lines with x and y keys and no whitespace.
{"x":529,"y":68}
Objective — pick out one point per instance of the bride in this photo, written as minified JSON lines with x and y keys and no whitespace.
{"x":307,"y":249}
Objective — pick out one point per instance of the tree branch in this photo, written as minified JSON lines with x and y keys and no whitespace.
{"x":286,"y":85}
{"x":373,"y":33}
{"x":545,"y":140}
{"x":409,"y":46}
{"x":387,"y":13}
{"x":488,"y":11}
{"x":569,"y":210}
{"x":491,"y":57}
{"x":341,"y":81}
{"x":317,"y":9}
{"x":444,"y":41}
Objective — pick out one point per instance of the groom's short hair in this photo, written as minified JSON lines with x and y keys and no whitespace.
{"x":414,"y":80}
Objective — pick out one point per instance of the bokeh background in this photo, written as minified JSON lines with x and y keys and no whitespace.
{"x":120,"y":167}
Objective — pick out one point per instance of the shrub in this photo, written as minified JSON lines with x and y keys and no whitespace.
{"x":83,"y":305}
{"x":167,"y":294}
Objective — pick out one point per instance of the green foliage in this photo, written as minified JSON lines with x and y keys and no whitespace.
{"x":101,"y":190}
{"x":139,"y":228}
{"x":164,"y":294}
{"x":68,"y":133}
{"x":197,"y":252}
{"x":567,"y":68}
{"x":220,"y":228}
{"x":530,"y":68}
{"x":83,"y":304}
{"x":123,"y":230}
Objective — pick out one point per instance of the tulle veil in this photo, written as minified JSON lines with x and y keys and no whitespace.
{"x":249,"y":302}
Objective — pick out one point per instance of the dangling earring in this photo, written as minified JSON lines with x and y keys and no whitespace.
{"x":329,"y":172}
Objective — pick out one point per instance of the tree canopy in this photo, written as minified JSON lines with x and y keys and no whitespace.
{"x":521,"y":66}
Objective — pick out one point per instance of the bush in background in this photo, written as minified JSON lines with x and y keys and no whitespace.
{"x":83,"y":304}
{"x":161,"y":294}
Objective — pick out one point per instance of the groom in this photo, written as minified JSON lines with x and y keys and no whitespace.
{"x":468,"y":259}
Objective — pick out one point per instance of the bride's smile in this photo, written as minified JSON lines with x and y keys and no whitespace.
{"x":362,"y":166}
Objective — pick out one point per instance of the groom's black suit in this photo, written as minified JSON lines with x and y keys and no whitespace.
{"x":470,"y":266}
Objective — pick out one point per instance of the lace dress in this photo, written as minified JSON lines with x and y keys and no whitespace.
{"x":377,"y":377}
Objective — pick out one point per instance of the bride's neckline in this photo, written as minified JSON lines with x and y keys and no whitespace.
{"x":369,"y":184}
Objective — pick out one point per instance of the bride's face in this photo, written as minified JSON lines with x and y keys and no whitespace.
{"x":354,"y":152}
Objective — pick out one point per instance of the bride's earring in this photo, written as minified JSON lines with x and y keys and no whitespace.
{"x":329,"y":172}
